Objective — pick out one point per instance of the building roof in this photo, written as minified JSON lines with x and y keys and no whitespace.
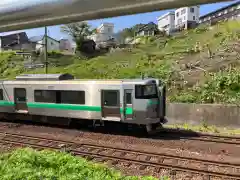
{"x":221,"y":9}
{"x":39,"y":38}
{"x":149,"y":26}
{"x":13,"y":39}
{"x":166,"y":14}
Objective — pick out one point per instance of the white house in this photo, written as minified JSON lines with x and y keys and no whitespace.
{"x":104,"y":33}
{"x":39,"y":42}
{"x":187,"y":17}
{"x":166,"y":22}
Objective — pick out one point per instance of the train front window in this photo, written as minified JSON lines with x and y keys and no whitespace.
{"x":146,"y":91}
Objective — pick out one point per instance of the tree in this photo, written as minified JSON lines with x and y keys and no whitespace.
{"x":79,"y":32}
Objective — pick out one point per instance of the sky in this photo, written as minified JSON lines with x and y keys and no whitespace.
{"x":120,"y":22}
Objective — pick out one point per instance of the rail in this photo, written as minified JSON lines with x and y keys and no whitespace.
{"x":140,"y":158}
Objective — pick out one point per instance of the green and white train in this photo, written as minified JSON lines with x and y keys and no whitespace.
{"x":60,"y":96}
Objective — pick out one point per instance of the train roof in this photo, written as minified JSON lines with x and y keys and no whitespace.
{"x":44,"y":77}
{"x":69,"y":79}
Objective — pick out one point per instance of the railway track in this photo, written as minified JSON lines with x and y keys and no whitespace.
{"x":141,"y":159}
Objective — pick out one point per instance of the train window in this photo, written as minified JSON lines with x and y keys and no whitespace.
{"x":1,"y":94}
{"x":128,"y":98}
{"x":45,"y":96}
{"x":146,"y":91}
{"x":20,"y":94}
{"x":73,"y":97}
{"x":111,"y":98}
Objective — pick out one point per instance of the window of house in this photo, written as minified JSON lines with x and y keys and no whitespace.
{"x":109,"y":30}
{"x":1,"y":94}
{"x":179,"y":20}
{"x":177,"y":14}
{"x":183,"y":11}
{"x":192,"y":10}
{"x":194,"y":18}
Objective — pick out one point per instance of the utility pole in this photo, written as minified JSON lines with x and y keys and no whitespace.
{"x":46,"y":51}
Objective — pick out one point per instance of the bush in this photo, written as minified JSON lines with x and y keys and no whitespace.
{"x":34,"y":165}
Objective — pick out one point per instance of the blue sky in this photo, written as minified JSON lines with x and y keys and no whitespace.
{"x":121,"y":22}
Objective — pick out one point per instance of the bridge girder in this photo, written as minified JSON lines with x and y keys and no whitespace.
{"x":26,"y":14}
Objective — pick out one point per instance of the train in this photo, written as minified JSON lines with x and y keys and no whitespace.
{"x":44,"y":97}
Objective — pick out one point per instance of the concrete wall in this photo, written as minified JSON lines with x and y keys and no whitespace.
{"x":212,"y":114}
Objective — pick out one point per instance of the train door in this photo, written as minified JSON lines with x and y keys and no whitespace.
{"x":128,"y":104}
{"x":110,"y":100}
{"x":20,"y":99}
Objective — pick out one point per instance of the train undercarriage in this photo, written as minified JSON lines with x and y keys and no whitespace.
{"x":79,"y":123}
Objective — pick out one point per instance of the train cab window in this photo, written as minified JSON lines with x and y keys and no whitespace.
{"x":73,"y":97}
{"x":111,"y":98}
{"x":146,"y":91}
{"x":45,"y":96}
{"x":128,"y":98}
{"x":1,"y":94}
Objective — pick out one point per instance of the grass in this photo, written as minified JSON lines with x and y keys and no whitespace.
{"x":194,"y":64}
{"x":30,"y":164}
{"x":206,"y":129}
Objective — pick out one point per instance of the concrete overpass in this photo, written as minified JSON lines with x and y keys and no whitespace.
{"x":25,"y":14}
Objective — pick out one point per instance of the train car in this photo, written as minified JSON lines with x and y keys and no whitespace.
{"x":133,"y":101}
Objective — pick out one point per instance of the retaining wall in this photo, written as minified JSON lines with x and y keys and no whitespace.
{"x":212,"y":114}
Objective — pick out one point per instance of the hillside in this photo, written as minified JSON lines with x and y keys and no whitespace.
{"x":201,"y":65}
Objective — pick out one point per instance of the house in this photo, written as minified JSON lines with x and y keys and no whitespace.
{"x":187,"y":17}
{"x":66,"y":45}
{"x":149,"y":29}
{"x":39,"y":41}
{"x":104,"y":32}
{"x":231,"y":11}
{"x":166,"y":22}
{"x":16,"y":41}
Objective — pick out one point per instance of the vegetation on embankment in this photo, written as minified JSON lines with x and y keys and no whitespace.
{"x":205,"y":128}
{"x":34,"y":165}
{"x":199,"y":66}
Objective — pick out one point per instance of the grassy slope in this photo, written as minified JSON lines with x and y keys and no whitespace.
{"x":34,"y":165}
{"x":183,"y":61}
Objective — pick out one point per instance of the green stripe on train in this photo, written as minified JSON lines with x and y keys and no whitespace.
{"x":63,"y":106}
{"x":6,"y":103}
